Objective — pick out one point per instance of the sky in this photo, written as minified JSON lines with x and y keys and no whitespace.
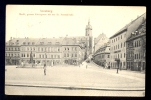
{"x":25,"y":20}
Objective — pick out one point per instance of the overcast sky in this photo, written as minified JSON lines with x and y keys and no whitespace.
{"x":106,"y":19}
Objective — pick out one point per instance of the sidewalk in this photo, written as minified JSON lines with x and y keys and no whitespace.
{"x":136,"y":74}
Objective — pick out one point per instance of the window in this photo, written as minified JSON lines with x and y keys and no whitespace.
{"x":67,"y":55}
{"x":28,"y":43}
{"x":33,"y":43}
{"x":39,"y":56}
{"x":75,"y":55}
{"x":64,"y":55}
{"x":41,"y":49}
{"x":38,"y":49}
{"x":75,"y":48}
{"x":22,"y":55}
{"x":27,"y":55}
{"x":51,"y":56}
{"x":42,"y":56}
{"x":46,"y":56}
{"x":58,"y":56}
{"x":65,"y":48}
{"x":118,"y":38}
{"x":58,"y":49}
{"x":118,"y":55}
{"x":121,"y":55}
{"x":33,"y":55}
{"x":135,"y":56}
{"x":124,"y":55}
{"x":121,"y":45}
{"x":108,"y":56}
{"x":68,"y":48}
{"x":124,"y":44}
{"x":118,"y":46}
{"x":121,"y":36}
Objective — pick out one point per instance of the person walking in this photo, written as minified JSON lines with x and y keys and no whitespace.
{"x":44,"y":68}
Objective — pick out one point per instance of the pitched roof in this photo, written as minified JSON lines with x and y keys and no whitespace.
{"x":126,"y":26}
{"x":141,"y":31}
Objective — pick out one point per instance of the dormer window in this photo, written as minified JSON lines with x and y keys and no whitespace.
{"x":41,"y":42}
{"x":24,"y":43}
{"x":28,"y":43}
{"x":49,"y":43}
{"x":17,"y":40}
{"x":57,"y":43}
{"x":33,"y":43}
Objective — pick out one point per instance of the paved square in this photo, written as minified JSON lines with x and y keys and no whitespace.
{"x":75,"y":77}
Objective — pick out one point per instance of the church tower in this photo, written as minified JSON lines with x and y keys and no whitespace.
{"x":89,"y":36}
{"x":88,"y":29}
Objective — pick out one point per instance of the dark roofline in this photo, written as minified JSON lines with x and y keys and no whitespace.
{"x":126,"y":26}
{"x":135,"y":37}
{"x":118,"y":33}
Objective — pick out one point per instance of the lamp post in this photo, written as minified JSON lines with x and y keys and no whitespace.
{"x":118,"y":61}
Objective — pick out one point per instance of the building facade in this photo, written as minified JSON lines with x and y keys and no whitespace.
{"x":102,"y":55}
{"x":52,"y":51}
{"x":118,"y":42}
{"x":136,"y":49}
{"x":99,"y":41}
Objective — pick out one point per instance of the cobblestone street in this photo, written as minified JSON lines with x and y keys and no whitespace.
{"x":89,"y":79}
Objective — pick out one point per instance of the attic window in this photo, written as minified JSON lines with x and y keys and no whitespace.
{"x":57,"y":42}
{"x":24,"y":43}
{"x":49,"y":42}
{"x":41,"y":42}
{"x":33,"y":43}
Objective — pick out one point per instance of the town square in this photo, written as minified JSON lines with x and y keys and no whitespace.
{"x":87,"y":53}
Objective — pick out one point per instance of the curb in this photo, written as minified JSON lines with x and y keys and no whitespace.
{"x":77,"y":88}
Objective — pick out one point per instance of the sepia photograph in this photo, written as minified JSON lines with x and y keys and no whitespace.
{"x":60,"y":50}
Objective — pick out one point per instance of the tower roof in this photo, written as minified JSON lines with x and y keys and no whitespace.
{"x":88,"y":26}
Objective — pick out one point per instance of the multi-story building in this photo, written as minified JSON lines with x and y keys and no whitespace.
{"x":72,"y":51}
{"x":53,"y":51}
{"x":136,"y":49}
{"x":102,"y":55}
{"x":99,"y":41}
{"x":118,"y":42}
{"x":12,"y":51}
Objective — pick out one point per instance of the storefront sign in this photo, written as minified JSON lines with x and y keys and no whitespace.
{"x":117,"y":51}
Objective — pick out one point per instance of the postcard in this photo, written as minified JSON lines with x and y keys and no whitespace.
{"x":60,"y":50}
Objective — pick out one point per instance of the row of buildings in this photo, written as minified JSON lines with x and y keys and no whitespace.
{"x":127,"y":46}
{"x":70,"y":50}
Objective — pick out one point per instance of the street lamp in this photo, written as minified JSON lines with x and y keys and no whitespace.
{"x":118,"y":61}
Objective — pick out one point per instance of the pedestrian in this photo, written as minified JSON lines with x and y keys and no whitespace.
{"x":22,"y":64}
{"x":44,"y":68}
